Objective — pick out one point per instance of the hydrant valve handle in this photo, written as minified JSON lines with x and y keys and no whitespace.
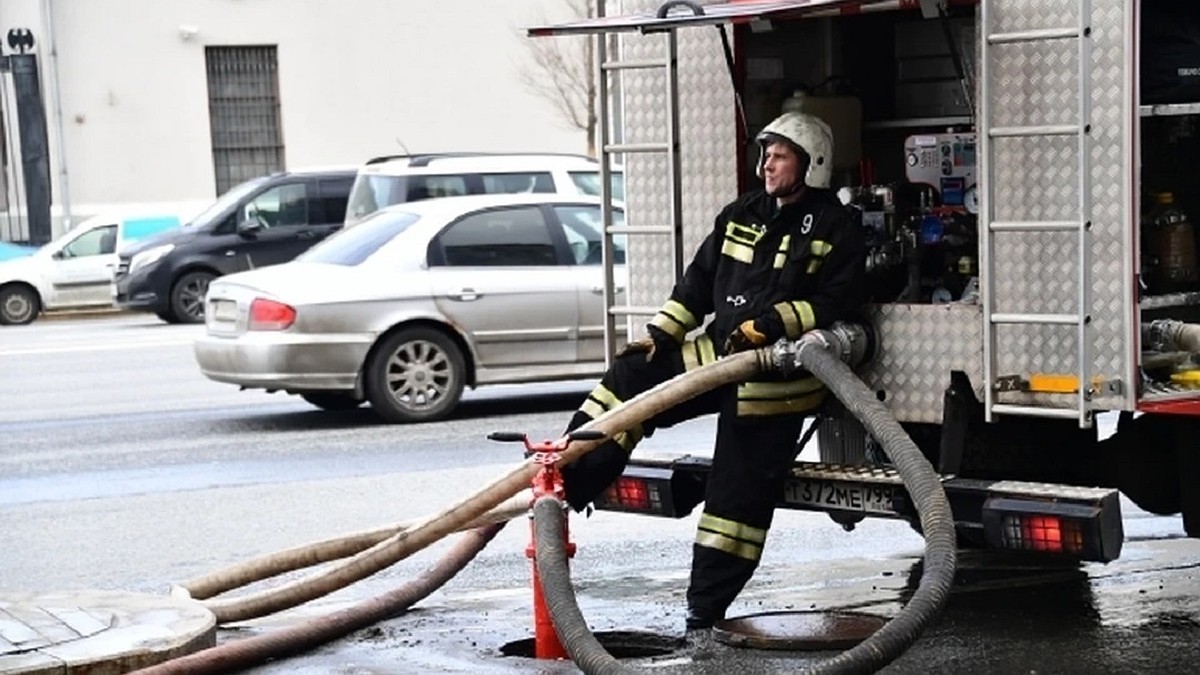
{"x":546,"y":458}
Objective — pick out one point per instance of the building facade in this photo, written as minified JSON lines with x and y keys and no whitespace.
{"x":152,"y":102}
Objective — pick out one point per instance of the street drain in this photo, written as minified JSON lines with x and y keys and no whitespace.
{"x":621,"y":644}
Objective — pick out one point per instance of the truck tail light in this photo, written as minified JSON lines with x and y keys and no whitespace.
{"x":654,"y":491}
{"x":271,"y":315}
{"x":637,"y":494}
{"x":1085,"y":531}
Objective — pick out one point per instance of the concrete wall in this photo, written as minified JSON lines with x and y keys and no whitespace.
{"x":357,"y":78}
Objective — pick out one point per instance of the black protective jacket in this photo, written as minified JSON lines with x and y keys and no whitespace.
{"x":792,"y":269}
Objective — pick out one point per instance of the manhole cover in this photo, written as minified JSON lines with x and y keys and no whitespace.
{"x":89,"y":631}
{"x":798,"y":630}
{"x":620,"y":644}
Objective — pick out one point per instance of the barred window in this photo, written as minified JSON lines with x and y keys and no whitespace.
{"x":243,"y":108}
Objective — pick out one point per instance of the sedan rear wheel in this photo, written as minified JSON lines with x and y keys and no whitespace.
{"x":187,"y":296}
{"x":332,"y":400}
{"x":19,"y":305}
{"x":168,"y":316}
{"x":416,"y":375}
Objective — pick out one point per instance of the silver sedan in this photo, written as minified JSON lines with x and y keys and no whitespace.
{"x":417,"y":302}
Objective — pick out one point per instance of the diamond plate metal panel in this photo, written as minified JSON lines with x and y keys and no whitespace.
{"x":1037,"y":179}
{"x":708,"y":144}
{"x":919,"y":346}
{"x":1034,"y":180}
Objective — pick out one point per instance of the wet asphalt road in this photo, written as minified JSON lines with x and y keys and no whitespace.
{"x":123,"y":468}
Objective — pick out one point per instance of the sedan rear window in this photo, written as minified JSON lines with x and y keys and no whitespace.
{"x":351,"y":246}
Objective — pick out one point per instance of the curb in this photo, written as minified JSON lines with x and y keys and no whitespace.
{"x":89,"y":313}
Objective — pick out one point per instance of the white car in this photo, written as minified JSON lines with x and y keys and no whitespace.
{"x":76,"y":270}
{"x":417,"y":302}
{"x":397,"y":179}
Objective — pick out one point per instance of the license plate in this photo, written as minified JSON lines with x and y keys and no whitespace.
{"x":824,"y":495}
{"x":224,"y":310}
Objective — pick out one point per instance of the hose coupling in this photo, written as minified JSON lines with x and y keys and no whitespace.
{"x":784,"y":357}
{"x":853,"y":343}
{"x":1170,"y":335}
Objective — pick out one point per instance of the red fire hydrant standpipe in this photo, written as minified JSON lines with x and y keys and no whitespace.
{"x":547,"y":482}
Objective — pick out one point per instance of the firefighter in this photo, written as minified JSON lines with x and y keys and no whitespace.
{"x":779,"y":261}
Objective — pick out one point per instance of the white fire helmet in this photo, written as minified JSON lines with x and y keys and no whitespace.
{"x":807,"y":132}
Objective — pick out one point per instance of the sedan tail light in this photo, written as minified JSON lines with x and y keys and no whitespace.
{"x":271,"y":315}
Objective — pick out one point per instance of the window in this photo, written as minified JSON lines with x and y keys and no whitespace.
{"x":513,"y":183}
{"x":582,"y":226}
{"x":371,"y":193}
{"x":99,"y":241}
{"x":354,"y":245}
{"x":334,"y":194}
{"x":501,"y":237}
{"x":425,"y":187}
{"x":243,"y":109}
{"x":281,"y":206}
{"x":588,"y":183}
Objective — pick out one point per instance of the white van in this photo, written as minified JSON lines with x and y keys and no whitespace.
{"x":395,"y":179}
{"x":75,"y":270}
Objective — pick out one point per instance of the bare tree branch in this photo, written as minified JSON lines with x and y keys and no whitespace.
{"x":561,"y":72}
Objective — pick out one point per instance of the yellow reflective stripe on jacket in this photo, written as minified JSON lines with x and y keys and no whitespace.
{"x":790,"y":406}
{"x":675,"y":320}
{"x":698,"y":352}
{"x":778,"y":390}
{"x":599,"y":401}
{"x":819,"y":250}
{"x":682,"y":314}
{"x":629,"y":438}
{"x":779,"y":398}
{"x":731,"y":537}
{"x":782,"y":254}
{"x":739,"y":252}
{"x":798,"y":317}
{"x":737,"y":232}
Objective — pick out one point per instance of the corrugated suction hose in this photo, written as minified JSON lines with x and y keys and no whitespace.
{"x":820,"y":353}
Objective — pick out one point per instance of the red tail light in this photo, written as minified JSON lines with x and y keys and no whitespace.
{"x":271,"y":315}
{"x":1086,"y":531}
{"x":653,"y":491}
{"x":1043,"y":533}
{"x":635,"y":494}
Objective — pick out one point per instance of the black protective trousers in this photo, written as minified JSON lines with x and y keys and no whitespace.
{"x":751,"y":458}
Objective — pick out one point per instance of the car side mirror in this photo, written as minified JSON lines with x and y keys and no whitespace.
{"x":58,"y":255}
{"x":249,"y":227}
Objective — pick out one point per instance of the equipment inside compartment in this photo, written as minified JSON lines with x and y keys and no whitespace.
{"x":904,"y":145}
{"x":905,"y":153}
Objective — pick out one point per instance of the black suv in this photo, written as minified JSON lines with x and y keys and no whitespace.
{"x":264,"y":221}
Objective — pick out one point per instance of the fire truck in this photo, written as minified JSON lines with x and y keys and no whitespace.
{"x":1023,"y":171}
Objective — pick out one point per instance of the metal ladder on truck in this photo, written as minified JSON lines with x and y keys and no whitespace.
{"x":607,"y":68}
{"x":992,"y":47}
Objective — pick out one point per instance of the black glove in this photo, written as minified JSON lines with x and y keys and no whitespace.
{"x":654,"y":342}
{"x":747,"y":335}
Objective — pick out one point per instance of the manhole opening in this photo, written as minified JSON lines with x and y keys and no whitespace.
{"x":621,"y":644}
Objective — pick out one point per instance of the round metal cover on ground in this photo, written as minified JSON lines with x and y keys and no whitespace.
{"x":811,"y":631}
{"x":97,"y":631}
